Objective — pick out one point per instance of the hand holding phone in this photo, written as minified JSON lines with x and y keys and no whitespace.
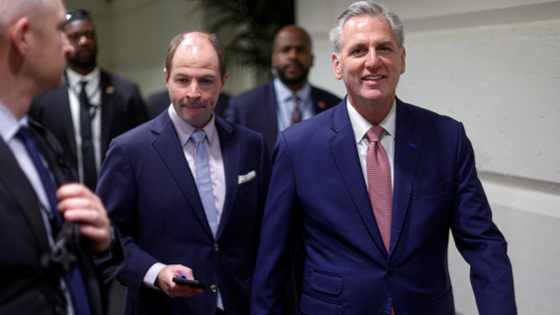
{"x":191,"y":283}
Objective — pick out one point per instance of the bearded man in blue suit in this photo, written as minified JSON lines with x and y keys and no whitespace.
{"x":374,"y":186}
{"x":188,"y":189}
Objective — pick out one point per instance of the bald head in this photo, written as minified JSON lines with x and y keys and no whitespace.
{"x":291,"y":32}
{"x":32,"y":51}
{"x":11,"y":11}
{"x":291,"y":56}
{"x":177,"y":40}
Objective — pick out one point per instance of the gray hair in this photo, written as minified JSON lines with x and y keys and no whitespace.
{"x":366,"y":8}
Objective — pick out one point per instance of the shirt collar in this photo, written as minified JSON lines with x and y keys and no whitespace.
{"x":74,"y":78}
{"x":360,"y":125}
{"x":9,"y":125}
{"x":185,"y":130}
{"x":283,"y":93}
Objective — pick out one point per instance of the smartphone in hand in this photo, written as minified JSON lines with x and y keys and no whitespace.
{"x":189,"y":282}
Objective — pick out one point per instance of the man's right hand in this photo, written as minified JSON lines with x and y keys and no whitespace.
{"x":165,"y":282}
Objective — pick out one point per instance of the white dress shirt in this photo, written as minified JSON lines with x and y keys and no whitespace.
{"x":360,"y":125}
{"x":93,"y":91}
{"x":217,"y":175}
{"x":286,"y":104}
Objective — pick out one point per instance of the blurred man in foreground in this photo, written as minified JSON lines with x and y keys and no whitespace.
{"x":58,"y":250}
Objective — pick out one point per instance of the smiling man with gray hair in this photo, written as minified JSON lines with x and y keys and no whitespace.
{"x":374,"y":186}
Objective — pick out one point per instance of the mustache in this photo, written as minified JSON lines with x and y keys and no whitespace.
{"x":296,"y":63}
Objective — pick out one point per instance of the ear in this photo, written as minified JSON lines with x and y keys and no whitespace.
{"x":312,"y":61}
{"x":165,"y":74}
{"x":336,"y":66}
{"x":403,"y":63}
{"x":223,"y":82}
{"x":19,"y":36}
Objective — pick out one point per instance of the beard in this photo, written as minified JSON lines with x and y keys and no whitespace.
{"x":292,"y":80}
{"x":83,"y":58}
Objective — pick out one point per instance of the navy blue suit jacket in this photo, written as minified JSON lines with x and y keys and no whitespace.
{"x":151,"y":195}
{"x":257,"y":109}
{"x":318,"y":189}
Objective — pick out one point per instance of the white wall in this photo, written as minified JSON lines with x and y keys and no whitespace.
{"x":494,"y":65}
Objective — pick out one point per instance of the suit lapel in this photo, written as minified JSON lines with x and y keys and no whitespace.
{"x":18,"y":186}
{"x":166,"y":143}
{"x":319,"y":104}
{"x":107,"y":108}
{"x":344,"y":152}
{"x":407,"y":153}
{"x":230,"y":147}
{"x":66,"y":118}
{"x":270,"y":123}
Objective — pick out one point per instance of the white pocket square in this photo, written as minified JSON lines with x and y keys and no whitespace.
{"x":245,"y":178}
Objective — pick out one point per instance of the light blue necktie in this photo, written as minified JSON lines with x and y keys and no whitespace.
{"x":203,"y":181}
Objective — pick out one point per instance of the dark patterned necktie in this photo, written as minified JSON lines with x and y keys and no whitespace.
{"x":88,"y":156}
{"x":295,"y":113}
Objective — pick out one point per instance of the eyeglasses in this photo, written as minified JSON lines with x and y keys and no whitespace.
{"x":74,"y":15}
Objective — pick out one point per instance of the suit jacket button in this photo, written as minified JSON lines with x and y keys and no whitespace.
{"x":216,"y":247}
{"x":213,"y":288}
{"x":390,"y":270}
{"x":384,"y":313}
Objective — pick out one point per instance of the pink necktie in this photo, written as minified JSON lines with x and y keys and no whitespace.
{"x":295,"y":113}
{"x":379,"y":183}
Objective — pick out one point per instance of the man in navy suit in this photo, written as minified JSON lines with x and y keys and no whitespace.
{"x":271,"y":107}
{"x":182,"y":213}
{"x":114,"y":104}
{"x":374,"y":186}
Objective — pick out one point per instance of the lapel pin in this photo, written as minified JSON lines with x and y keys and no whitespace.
{"x":321,"y":104}
{"x":110,"y":89}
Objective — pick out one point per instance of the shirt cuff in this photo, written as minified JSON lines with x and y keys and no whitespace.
{"x":151,"y":275}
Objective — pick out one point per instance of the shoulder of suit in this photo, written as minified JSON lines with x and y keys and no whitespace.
{"x":50,"y":96}
{"x":137,"y":138}
{"x":115,"y":79}
{"x":260,"y":90}
{"x":238,"y":130}
{"x":326,"y":96}
{"x":425,"y":118}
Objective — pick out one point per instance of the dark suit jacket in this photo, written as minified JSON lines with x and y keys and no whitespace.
{"x":158,"y":102}
{"x":150,"y":193}
{"x":24,"y":241}
{"x":318,"y":189}
{"x":122,"y":109}
{"x":257,"y":109}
